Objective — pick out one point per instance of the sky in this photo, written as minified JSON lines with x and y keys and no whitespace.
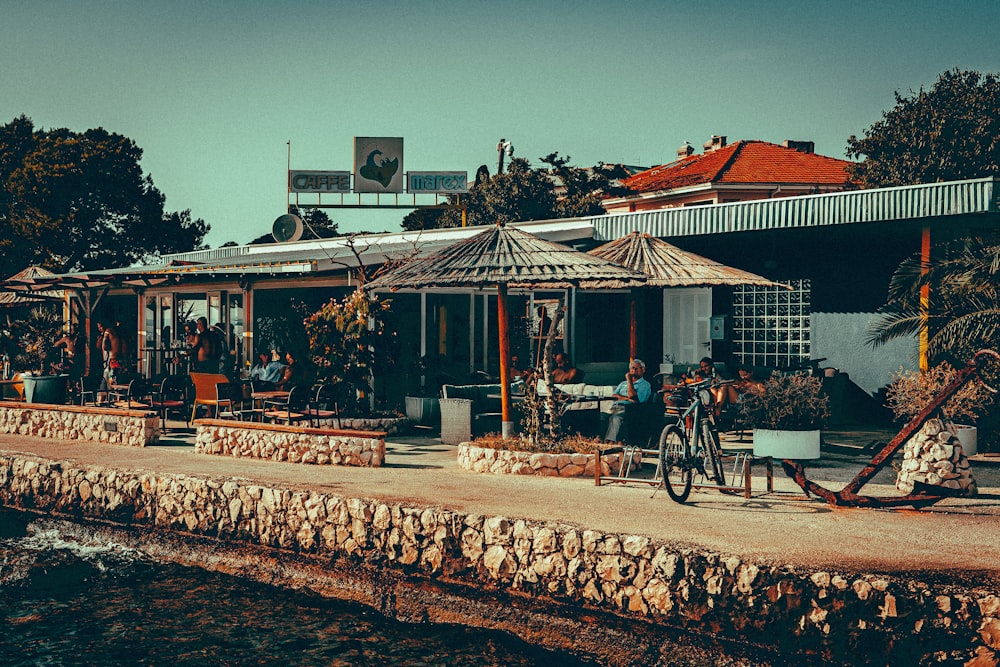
{"x":223,"y":96}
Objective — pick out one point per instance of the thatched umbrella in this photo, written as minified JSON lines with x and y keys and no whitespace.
{"x":10,"y":298}
{"x":505,"y":257}
{"x":666,"y":265}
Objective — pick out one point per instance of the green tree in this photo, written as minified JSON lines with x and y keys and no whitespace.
{"x":350,"y":345}
{"x":581,"y":191}
{"x":963,"y":309}
{"x":72,"y":201}
{"x":950,"y":132}
{"x":523,"y":193}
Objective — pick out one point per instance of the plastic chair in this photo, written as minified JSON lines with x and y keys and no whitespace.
{"x":137,"y":396}
{"x":205,"y":392}
{"x":172,"y":395}
{"x":294,"y":409}
{"x":324,"y":406}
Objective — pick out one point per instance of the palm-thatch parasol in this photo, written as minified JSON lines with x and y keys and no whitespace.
{"x":666,"y":265}
{"x":505,"y":257}
{"x":10,"y":298}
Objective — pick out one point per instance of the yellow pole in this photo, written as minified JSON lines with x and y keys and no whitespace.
{"x":925,"y":296}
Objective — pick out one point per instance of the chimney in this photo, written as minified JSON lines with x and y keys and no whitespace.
{"x":685,"y":150}
{"x":715,"y":143}
{"x":800,"y":146}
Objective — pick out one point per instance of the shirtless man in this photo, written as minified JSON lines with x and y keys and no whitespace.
{"x":205,"y":350}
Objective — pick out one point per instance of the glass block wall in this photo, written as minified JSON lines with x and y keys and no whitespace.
{"x":771,"y":324}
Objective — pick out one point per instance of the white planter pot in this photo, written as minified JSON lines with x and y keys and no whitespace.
{"x":969,"y":437}
{"x":786,"y":444}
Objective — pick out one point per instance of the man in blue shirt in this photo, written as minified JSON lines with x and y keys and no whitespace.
{"x":633,"y":389}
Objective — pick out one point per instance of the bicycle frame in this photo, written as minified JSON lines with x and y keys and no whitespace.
{"x":697,"y":423}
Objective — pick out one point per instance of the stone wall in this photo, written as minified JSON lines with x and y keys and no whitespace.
{"x":275,"y":442}
{"x":504,"y":462}
{"x":802,"y":617}
{"x":131,"y":428}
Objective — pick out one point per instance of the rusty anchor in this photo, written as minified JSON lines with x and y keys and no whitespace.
{"x":922,"y":495}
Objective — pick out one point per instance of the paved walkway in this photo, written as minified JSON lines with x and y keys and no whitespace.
{"x":955,"y":538}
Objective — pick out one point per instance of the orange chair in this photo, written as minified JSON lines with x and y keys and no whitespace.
{"x":13,"y":389}
{"x":206,"y":394}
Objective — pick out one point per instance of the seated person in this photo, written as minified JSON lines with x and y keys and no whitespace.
{"x":633,"y":389}
{"x":267,"y":370}
{"x":732,"y":393}
{"x":515,"y":372}
{"x":294,"y":374}
{"x":705,"y":371}
{"x":564,"y":372}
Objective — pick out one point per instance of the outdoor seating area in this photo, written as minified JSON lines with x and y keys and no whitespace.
{"x":182,"y":398}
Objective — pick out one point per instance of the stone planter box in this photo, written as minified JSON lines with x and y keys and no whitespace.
{"x":291,"y":444}
{"x":132,"y":428}
{"x":504,"y":462}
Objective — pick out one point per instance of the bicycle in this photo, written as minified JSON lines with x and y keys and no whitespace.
{"x":691,"y":444}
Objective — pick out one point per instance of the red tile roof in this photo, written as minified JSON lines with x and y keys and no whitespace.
{"x":751,"y":162}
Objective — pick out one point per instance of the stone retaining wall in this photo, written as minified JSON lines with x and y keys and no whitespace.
{"x":131,"y":428}
{"x":806,"y":617}
{"x":504,"y":462}
{"x":275,"y":442}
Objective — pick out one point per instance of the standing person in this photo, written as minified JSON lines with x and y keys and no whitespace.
{"x":73,"y":352}
{"x":633,"y":389}
{"x":109,"y":345}
{"x":205,"y":351}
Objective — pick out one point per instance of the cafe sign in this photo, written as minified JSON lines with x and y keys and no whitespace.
{"x":437,"y":182}
{"x":319,"y":181}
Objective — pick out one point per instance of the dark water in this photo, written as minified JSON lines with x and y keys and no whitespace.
{"x":66,"y":603}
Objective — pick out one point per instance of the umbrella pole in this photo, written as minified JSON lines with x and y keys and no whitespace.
{"x":506,"y":426}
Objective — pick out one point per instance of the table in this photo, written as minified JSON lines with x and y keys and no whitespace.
{"x":269,"y":396}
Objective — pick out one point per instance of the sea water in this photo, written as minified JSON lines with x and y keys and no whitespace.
{"x":63,"y":602}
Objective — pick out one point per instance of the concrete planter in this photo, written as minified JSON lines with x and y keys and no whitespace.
{"x":423,"y":410}
{"x":786,"y":444}
{"x":969,"y":437}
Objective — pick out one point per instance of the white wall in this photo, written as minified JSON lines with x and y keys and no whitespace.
{"x":840,"y":337}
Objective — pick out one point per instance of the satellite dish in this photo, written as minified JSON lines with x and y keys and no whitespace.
{"x":287,"y":227}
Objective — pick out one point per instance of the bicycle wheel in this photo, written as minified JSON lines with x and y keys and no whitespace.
{"x":675,"y":463}
{"x":712,"y":451}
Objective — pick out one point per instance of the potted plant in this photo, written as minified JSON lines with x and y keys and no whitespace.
{"x":787,"y":416}
{"x":911,"y":391}
{"x":35,"y":336}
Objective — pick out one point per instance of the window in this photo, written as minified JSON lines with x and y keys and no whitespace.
{"x":771,"y":324}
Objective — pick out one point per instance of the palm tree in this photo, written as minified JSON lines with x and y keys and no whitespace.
{"x":963,"y":308}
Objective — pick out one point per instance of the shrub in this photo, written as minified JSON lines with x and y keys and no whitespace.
{"x":789,"y":402}
{"x":911,"y":391}
{"x":567,"y":445}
